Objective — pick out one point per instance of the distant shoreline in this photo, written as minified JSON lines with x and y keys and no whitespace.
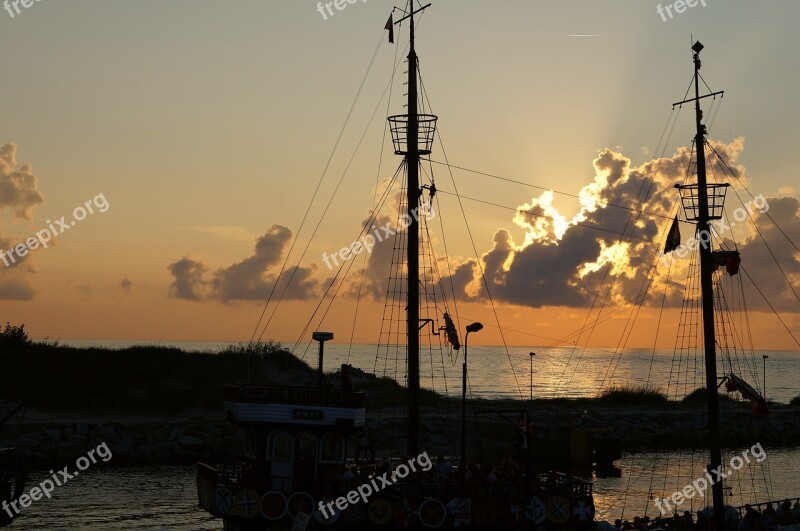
{"x":165,"y":405}
{"x":161,"y":380}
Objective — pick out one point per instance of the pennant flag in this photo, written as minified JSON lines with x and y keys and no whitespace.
{"x":673,"y":238}
{"x":390,"y":28}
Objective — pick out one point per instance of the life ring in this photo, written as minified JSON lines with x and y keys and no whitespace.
{"x":406,"y":513}
{"x":325,"y":519}
{"x":461,"y":511}
{"x":380,"y":512}
{"x":583,"y":511}
{"x":432,"y":513}
{"x":558,"y":510}
{"x":300,"y":502}
{"x":273,"y":505}
{"x":536,"y":510}
{"x":247,"y":503}
{"x":365,"y":455}
{"x":223,"y":500}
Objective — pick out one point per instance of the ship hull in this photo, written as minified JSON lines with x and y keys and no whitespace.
{"x":568,"y":505}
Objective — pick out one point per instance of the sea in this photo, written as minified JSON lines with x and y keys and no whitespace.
{"x":164,"y":497}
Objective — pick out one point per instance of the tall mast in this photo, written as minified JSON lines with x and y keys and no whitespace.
{"x":703,"y":216}
{"x":412,"y":165}
{"x":406,"y":137}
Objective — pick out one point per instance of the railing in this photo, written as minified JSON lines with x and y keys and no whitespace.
{"x":260,"y":394}
{"x":691,"y":201}
{"x":398,"y":125}
{"x":774,"y":503}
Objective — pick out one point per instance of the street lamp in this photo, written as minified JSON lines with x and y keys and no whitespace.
{"x":474,"y":327}
{"x":765,"y":357}
{"x":532,"y":355}
{"x":322,"y":337}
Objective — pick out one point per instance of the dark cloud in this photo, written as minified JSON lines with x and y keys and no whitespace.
{"x":757,"y":256}
{"x":558,"y":261}
{"x":189,"y":283}
{"x":250,"y":279}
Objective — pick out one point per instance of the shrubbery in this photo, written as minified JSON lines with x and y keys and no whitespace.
{"x":14,"y":336}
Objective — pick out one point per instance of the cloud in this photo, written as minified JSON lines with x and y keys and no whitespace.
{"x":757,"y":251}
{"x":19,"y":193}
{"x":551,"y":259}
{"x":18,"y":185}
{"x":189,"y":283}
{"x":250,"y":279}
{"x":563,"y":261}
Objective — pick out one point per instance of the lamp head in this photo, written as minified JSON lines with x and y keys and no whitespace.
{"x":322,"y":336}
{"x":474,"y":327}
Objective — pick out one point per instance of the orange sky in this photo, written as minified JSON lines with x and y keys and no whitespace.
{"x":206,"y":129}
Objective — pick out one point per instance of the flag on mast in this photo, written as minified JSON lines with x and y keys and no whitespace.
{"x":673,"y":238}
{"x":390,"y":28}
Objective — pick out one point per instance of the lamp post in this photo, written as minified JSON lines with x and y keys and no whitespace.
{"x":765,"y":357}
{"x":474,"y":327}
{"x":322,"y":337}
{"x":532,"y":354}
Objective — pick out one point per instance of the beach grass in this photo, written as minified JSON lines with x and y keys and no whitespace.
{"x":621,"y":395}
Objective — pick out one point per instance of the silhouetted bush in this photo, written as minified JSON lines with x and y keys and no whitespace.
{"x":142,"y":379}
{"x":14,"y":336}
{"x":795,"y":401}
{"x":271,"y":352}
{"x":632,"y":396}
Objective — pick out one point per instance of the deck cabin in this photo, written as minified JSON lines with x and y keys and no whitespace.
{"x":293,"y":437}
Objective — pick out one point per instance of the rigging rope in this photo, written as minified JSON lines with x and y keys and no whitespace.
{"x":367,"y":227}
{"x":313,"y":198}
{"x":374,"y":200}
{"x":566,"y":194}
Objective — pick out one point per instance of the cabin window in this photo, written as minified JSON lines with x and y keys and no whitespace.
{"x":282,"y":447}
{"x":306,"y":446}
{"x":332,"y":448}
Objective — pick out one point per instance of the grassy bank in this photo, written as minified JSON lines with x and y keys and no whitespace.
{"x":161,"y":380}
{"x":158,"y":380}
{"x":142,"y":379}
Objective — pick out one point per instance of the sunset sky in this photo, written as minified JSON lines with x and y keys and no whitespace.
{"x":205,"y":126}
